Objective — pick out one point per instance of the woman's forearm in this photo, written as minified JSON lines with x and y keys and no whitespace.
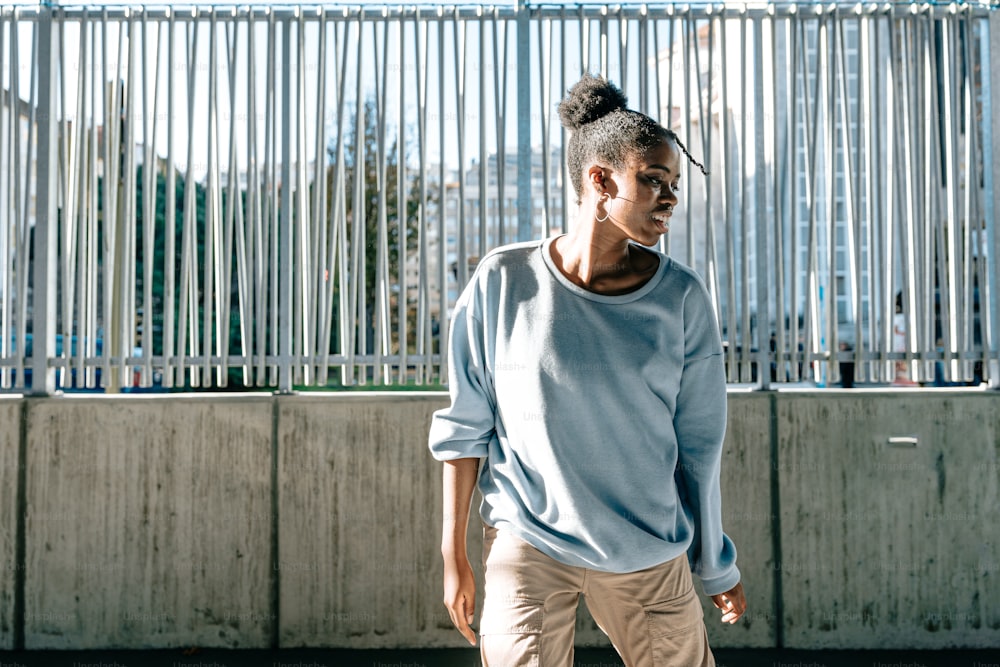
{"x":459,"y":483}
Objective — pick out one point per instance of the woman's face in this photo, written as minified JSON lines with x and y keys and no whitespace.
{"x":644,"y":193}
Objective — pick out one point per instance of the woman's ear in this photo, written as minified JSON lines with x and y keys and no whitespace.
{"x":596,"y":178}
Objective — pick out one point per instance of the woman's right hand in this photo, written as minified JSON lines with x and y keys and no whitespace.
{"x":460,"y":594}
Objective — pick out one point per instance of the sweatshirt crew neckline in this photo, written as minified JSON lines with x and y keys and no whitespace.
{"x":628,"y":297}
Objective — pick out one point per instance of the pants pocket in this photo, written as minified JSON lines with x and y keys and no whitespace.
{"x":677,"y":633}
{"x":510,"y":632}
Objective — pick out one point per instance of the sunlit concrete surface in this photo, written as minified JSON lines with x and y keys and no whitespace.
{"x":863,"y":519}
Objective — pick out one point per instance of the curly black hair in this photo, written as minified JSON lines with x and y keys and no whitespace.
{"x":604,"y":128}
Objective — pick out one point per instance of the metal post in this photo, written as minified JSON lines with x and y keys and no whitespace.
{"x":763,"y":220}
{"x":43,"y":320}
{"x":285,"y":225}
{"x":524,"y":226}
{"x":991,"y":153}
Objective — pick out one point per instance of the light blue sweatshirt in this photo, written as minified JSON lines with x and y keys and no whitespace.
{"x":600,"y":418}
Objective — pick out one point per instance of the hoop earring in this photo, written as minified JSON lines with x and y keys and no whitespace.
{"x":607,"y":214}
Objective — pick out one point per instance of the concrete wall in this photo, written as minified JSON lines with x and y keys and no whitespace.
{"x":10,"y":436}
{"x":890,"y":545}
{"x":314,"y":520}
{"x":147,"y":522}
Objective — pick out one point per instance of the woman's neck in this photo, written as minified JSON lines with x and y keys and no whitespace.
{"x":601,"y":264}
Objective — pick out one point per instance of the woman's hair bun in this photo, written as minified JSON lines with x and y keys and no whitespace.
{"x":591,"y":98}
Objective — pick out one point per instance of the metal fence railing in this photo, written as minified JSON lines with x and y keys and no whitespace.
{"x":294,"y":195}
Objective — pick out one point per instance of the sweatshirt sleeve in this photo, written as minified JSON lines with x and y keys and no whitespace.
{"x":466,"y":427}
{"x":700,"y":425}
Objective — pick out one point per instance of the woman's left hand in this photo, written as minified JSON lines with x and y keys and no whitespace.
{"x":732,"y":603}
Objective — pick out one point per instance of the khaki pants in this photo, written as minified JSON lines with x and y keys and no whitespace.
{"x":653,"y":616}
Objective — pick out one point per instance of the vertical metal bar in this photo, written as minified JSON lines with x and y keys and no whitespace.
{"x":123,"y":310}
{"x":811,"y":344}
{"x":340,"y":211}
{"x":442,"y":217}
{"x":483,"y":162}
{"x":924,"y":185}
{"x":990,"y":292}
{"x":286,"y":270}
{"x":929,"y":203}
{"x":852,"y":181}
{"x":906,"y":196}
{"x":150,"y":170}
{"x":890,"y":220}
{"x":301,"y":226}
{"x":255,"y":343}
{"x":43,"y":379}
{"x":623,"y":52}
{"x":8,"y":252}
{"x":726,"y":205}
{"x":188,"y":307}
{"x":690,"y":51}
{"x":425,"y":343}
{"x":869,"y":74}
{"x":711,"y":259}
{"x":211,"y":260}
{"x":21,"y":189}
{"x":781,"y":180}
{"x":500,"y":102}
{"x":170,"y":218}
{"x":336,"y":250}
{"x":971,"y":212}
{"x":69,"y":147}
{"x":796,"y":45}
{"x":828,"y":333}
{"x":653,"y":25}
{"x":671,"y":24}
{"x":403,"y":204}
{"x":93,"y":252}
{"x":603,"y":44}
{"x":321,"y":307}
{"x":381,"y":184}
{"x":235,"y":221}
{"x":642,"y":40}
{"x":459,"y":43}
{"x":700,"y":96}
{"x":65,"y":186}
{"x":22,"y":195}
{"x":951,"y":306}
{"x":357,"y":342}
{"x":524,"y":190}
{"x":745,"y":334}
{"x":561,"y":172}
{"x":763,"y":219}
{"x":545,"y":78}
{"x":226,"y":207}
{"x":272,"y":300}
{"x":82,"y":273}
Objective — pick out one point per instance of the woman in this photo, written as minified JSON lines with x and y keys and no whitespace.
{"x":586,"y":375}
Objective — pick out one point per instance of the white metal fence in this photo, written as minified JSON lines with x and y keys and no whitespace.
{"x":282,"y":196}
